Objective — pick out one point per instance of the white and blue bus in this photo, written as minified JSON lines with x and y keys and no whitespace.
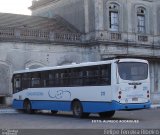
{"x":94,"y":87}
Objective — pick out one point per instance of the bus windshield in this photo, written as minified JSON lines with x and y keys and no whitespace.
{"x":133,"y":71}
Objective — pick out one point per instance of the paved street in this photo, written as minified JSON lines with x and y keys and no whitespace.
{"x":144,"y":119}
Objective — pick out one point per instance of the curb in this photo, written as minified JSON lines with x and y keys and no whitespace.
{"x":8,"y":111}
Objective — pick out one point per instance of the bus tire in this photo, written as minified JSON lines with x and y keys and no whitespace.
{"x":78,"y":110}
{"x":27,"y":107}
{"x":86,"y":115}
{"x":108,"y":114}
{"x":54,"y":112}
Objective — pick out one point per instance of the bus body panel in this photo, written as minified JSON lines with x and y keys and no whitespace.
{"x":120,"y":95}
{"x":90,"y":107}
{"x":133,"y":93}
{"x":61,"y":98}
{"x":102,"y":93}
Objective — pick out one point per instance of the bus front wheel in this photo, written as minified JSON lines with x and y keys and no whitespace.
{"x":109,"y":114}
{"x":78,"y":110}
{"x":27,"y":107}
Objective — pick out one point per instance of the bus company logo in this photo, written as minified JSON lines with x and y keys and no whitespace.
{"x":60,"y":94}
{"x":35,"y":94}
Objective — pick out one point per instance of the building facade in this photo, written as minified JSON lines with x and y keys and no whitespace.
{"x":124,"y":28}
{"x":65,"y":31}
{"x":33,"y":42}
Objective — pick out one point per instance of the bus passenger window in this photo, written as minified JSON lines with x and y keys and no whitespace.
{"x":106,"y":74}
{"x":44,"y":79}
{"x":51,"y":78}
{"x":17,"y":85}
{"x":36,"y":81}
{"x":25,"y":81}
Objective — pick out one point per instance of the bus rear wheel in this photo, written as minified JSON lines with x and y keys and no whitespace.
{"x":109,"y":114}
{"x":78,"y":110}
{"x":27,"y":107}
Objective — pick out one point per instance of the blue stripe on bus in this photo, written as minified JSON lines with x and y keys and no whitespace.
{"x":17,"y":104}
{"x":51,"y":105}
{"x":92,"y":107}
{"x":96,"y":107}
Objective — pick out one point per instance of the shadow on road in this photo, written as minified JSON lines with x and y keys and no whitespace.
{"x":91,"y":116}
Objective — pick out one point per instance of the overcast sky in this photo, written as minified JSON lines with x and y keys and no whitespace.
{"x":15,"y":6}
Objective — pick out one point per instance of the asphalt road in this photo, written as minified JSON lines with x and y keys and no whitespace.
{"x":142,"y":119}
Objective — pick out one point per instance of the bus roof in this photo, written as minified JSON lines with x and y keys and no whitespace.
{"x":74,"y":65}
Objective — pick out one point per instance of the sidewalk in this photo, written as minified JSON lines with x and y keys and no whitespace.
{"x":7,"y":109}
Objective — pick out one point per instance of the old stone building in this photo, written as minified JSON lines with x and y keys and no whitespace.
{"x":66,"y":31}
{"x":32,"y":42}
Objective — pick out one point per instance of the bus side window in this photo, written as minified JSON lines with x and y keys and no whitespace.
{"x":75,"y":77}
{"x":35,"y":80}
{"x":92,"y":74}
{"x":66,"y":78}
{"x":84,"y":76}
{"x":106,"y":74}
{"x":17,"y":85}
{"x":25,"y":81}
{"x":98,"y":76}
{"x":56,"y":80}
{"x":51,"y":78}
{"x":44,"y":79}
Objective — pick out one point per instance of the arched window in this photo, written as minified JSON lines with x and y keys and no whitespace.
{"x":141,"y":23}
{"x":114,"y":17}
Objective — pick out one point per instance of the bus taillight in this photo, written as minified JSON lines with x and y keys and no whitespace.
{"x":148,"y":94}
{"x":119,"y":97}
{"x":120,"y":92}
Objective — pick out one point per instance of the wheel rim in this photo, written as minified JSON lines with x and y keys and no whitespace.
{"x":27,"y":107}
{"x":77,"y":109}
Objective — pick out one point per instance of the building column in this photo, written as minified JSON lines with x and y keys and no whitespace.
{"x":99,"y":15}
{"x":86,"y":15}
{"x":155,"y":19}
